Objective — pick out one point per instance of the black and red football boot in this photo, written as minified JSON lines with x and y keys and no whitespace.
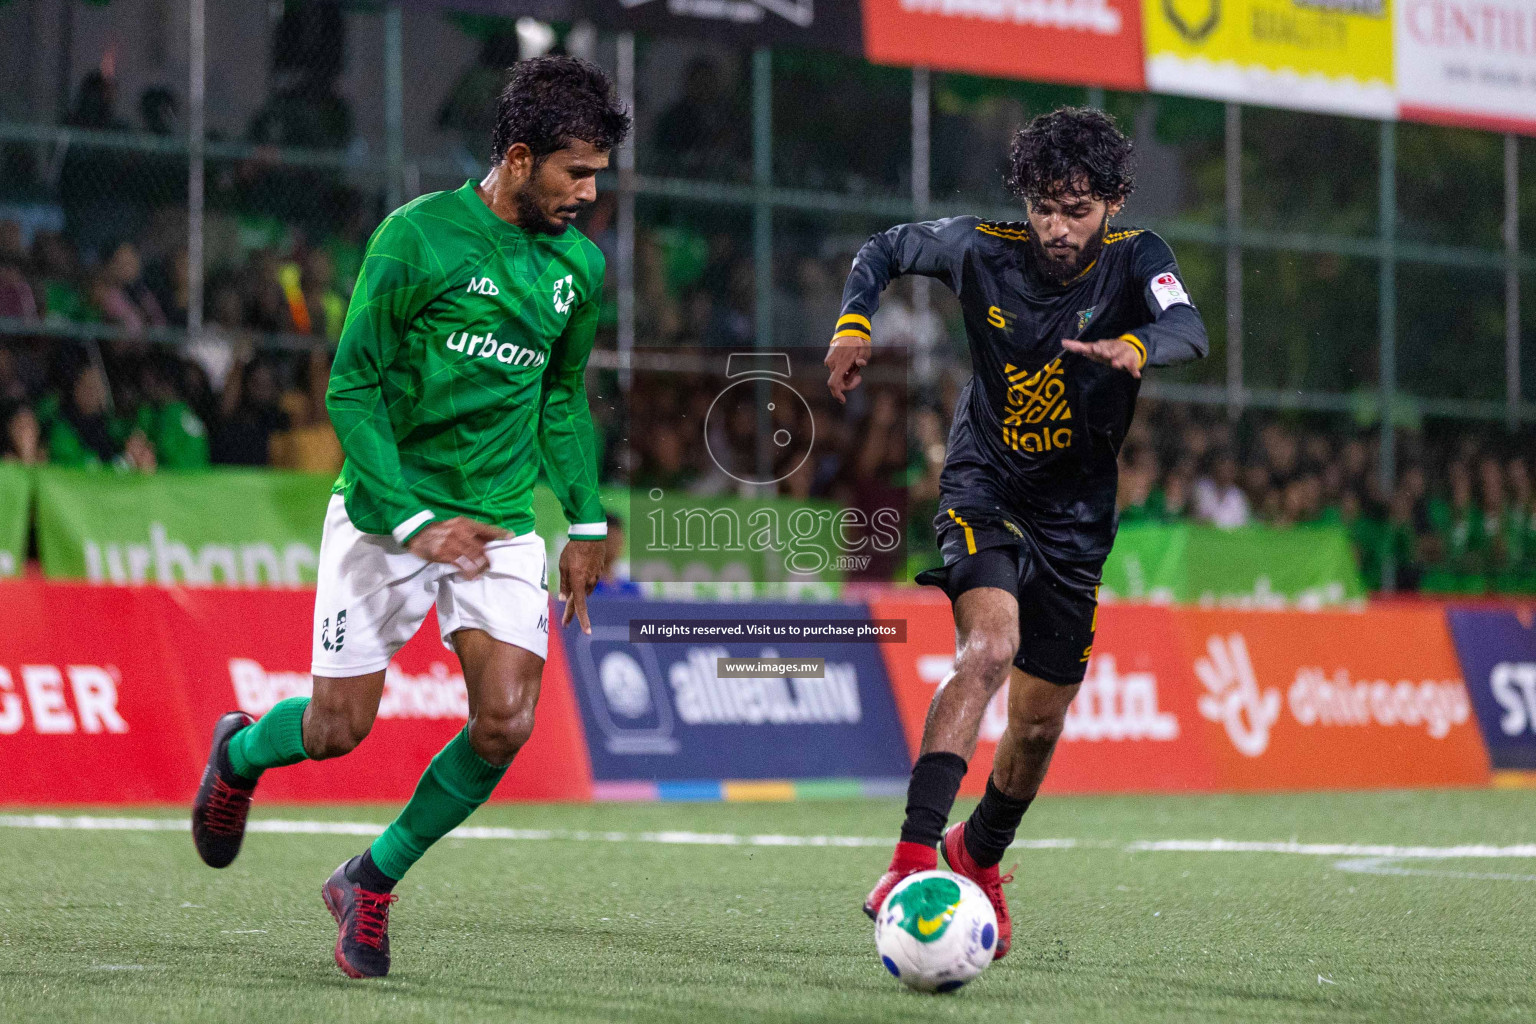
{"x":909,"y":859}
{"x":223,"y":798}
{"x":991,"y":882}
{"x":362,"y":921}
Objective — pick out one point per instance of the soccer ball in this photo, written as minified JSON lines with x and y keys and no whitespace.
{"x":936,"y":931}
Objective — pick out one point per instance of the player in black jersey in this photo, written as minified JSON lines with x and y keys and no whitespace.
{"x":1062,"y":314}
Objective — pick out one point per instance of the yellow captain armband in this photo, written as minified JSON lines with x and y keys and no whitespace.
{"x":1138,"y":345}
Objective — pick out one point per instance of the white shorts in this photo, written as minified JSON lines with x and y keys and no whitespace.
{"x":373,"y":595}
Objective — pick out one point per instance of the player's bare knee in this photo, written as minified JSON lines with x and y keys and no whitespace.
{"x":331,"y":731}
{"x":1032,"y":727}
{"x":986,"y":656}
{"x":498,"y":737}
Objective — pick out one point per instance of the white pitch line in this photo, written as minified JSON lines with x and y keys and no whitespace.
{"x":1328,"y":849}
{"x":283,"y":826}
{"x":1387,"y":866}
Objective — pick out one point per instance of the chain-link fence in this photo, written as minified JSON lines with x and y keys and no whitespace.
{"x":186,"y":190}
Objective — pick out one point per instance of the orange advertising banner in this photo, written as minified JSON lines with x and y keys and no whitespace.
{"x":1333,"y":700}
{"x":1193,"y":700}
{"x":1079,"y":42}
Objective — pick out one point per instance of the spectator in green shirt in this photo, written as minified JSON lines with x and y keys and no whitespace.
{"x":84,"y":434}
{"x":1460,"y":548}
{"x":177,"y":434}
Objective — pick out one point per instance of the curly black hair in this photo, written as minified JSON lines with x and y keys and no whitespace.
{"x":551,"y":102}
{"x":1056,"y":152}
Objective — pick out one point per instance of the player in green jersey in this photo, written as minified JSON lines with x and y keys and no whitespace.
{"x":459,"y":371}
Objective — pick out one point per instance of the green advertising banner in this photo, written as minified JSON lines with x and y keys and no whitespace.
{"x":1253,"y":567}
{"x":222,"y":527}
{"x":262,"y":528}
{"x":15,"y":513}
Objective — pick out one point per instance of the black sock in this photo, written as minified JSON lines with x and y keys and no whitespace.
{"x":931,"y":793}
{"x":364,"y":872}
{"x":989,"y":830}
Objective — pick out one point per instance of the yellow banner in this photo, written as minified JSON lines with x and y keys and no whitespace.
{"x":1327,"y":55}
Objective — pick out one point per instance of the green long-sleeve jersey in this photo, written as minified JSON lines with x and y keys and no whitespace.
{"x":461,"y":362}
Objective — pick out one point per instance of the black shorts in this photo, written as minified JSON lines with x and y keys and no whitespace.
{"x":1058,"y":598}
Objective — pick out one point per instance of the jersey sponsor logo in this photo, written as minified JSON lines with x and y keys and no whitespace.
{"x":1083,"y":316}
{"x":486,"y":346}
{"x":1037,"y":404}
{"x":1168,"y":291}
{"x":483,"y":286}
{"x":43,"y":698}
{"x":565,"y":294}
{"x":1001,"y":319}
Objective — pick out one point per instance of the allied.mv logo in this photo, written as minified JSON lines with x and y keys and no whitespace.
{"x":565,"y":294}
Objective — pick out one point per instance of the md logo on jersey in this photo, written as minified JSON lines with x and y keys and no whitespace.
{"x":565,"y":294}
{"x":483,"y":286}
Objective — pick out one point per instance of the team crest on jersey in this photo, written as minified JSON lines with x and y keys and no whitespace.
{"x":565,"y":294}
{"x":1083,"y":316}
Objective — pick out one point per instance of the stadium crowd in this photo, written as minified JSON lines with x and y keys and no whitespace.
{"x":97,"y":387}
{"x":1462,"y":518}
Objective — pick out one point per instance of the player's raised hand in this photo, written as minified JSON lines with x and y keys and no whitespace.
{"x":581,"y":566}
{"x":457,"y":541}
{"x":1116,"y":352}
{"x":845,"y":359}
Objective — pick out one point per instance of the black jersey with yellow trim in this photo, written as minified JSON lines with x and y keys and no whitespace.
{"x":1039,"y":426}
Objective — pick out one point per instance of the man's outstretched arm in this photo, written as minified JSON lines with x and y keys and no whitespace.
{"x":1176,"y":333}
{"x":933,"y":249}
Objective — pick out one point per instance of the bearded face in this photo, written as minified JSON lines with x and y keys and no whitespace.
{"x":1066,"y":232}
{"x":1063,"y":260}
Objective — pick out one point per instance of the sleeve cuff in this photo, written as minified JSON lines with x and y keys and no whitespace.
{"x":1138,"y":345}
{"x":588,"y":531}
{"x":411,"y":527}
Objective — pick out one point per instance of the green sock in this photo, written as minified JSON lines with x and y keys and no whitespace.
{"x":276,"y":739}
{"x":456,"y":782}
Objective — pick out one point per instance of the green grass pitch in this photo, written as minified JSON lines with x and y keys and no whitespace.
{"x":128,"y":926}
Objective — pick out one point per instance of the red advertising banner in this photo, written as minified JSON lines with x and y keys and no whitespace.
{"x":1132,"y":727}
{"x":1180,"y":699}
{"x":108,"y":695}
{"x":1080,"y":42}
